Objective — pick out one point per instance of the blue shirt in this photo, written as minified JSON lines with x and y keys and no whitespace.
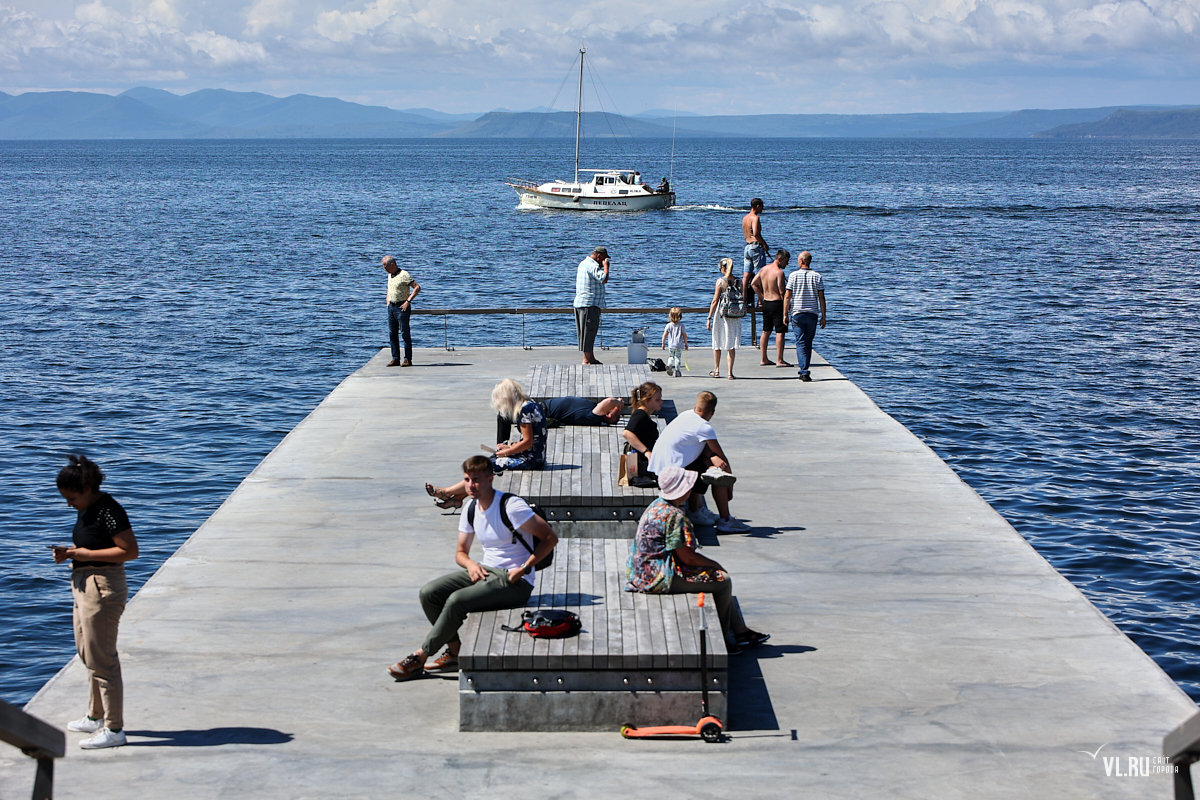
{"x":589,"y":284}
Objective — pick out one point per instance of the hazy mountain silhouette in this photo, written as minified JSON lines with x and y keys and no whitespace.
{"x":1128,"y":124}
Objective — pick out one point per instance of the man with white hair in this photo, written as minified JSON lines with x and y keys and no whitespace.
{"x":401,"y":291}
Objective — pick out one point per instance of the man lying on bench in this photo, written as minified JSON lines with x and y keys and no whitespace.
{"x":504,"y":580}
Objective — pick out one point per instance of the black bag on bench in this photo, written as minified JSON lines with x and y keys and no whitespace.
{"x":547,"y":623}
{"x":501,"y":497}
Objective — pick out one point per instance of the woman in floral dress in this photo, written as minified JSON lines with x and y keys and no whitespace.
{"x":663,"y":558}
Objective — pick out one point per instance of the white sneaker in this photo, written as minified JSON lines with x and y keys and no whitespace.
{"x":702,"y":516}
{"x":732,"y":525}
{"x":85,"y":724}
{"x":718,"y":477}
{"x":105,"y":738}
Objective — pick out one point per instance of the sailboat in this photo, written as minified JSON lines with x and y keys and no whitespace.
{"x":607,"y":190}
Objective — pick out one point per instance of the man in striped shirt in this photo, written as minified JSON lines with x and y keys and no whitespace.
{"x":803,"y":299}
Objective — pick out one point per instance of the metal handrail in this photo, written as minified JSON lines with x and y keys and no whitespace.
{"x":38,"y":740}
{"x":446,"y":313}
{"x":1182,"y":748}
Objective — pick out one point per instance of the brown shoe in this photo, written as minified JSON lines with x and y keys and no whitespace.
{"x":406,"y":363}
{"x":395,"y":362}
{"x":411,"y":667}
{"x":446,"y":662}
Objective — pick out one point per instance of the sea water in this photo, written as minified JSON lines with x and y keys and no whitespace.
{"x":1028,"y":308}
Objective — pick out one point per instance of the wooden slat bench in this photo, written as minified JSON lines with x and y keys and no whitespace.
{"x":580,"y":478}
{"x":597,"y":382}
{"x":637,"y":659}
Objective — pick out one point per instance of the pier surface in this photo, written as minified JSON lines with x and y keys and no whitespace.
{"x":921,"y":648}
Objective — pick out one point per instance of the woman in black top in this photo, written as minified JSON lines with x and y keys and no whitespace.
{"x":641,"y":432}
{"x":103,"y":543}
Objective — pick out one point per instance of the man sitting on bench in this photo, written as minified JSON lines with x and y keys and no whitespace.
{"x":689,"y":441}
{"x":663,"y":559}
{"x":504,"y":579}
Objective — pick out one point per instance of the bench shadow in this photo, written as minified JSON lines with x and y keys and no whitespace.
{"x":750,"y":707}
{"x":559,"y":599}
{"x":767,"y":532}
{"x":213,"y":737}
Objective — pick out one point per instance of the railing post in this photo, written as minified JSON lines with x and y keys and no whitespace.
{"x":1183,"y":778}
{"x":43,"y":781}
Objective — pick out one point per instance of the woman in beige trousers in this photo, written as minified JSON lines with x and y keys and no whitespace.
{"x":103,"y":542}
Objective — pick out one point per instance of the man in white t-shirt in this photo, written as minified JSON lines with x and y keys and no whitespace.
{"x":504,"y":579}
{"x":803,"y":299}
{"x":690,"y":442}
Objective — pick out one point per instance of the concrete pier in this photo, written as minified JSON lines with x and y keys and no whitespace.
{"x":921,"y":648}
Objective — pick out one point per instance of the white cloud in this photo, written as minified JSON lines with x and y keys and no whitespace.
{"x":783,"y":50}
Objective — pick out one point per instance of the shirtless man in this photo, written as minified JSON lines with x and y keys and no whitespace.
{"x":769,"y":285}
{"x":757,"y":250}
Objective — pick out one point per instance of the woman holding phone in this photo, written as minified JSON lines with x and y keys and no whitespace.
{"x":103,"y":542}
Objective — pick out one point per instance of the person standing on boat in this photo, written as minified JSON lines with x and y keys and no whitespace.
{"x":802,"y":300}
{"x":590,"y":279}
{"x":754,"y":257}
{"x":402,"y":290}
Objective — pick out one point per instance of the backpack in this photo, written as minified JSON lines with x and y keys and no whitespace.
{"x":547,"y":623}
{"x":733,"y":302}
{"x":658,"y":365}
{"x":517,"y":537}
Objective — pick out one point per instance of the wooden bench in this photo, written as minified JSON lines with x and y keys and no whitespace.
{"x":597,"y":382}
{"x":636,"y":660}
{"x":580,"y":478}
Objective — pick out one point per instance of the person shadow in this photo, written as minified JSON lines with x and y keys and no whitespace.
{"x":749,"y":701}
{"x":212,"y":737}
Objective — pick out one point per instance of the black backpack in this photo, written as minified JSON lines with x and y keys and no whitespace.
{"x":658,"y":365}
{"x":502,"y":497}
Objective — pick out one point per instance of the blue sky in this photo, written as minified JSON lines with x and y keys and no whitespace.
{"x":709,"y":56}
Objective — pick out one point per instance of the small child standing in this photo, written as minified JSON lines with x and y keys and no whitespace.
{"x":674,"y":339}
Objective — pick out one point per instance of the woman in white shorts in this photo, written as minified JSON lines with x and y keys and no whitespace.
{"x":726,"y":332}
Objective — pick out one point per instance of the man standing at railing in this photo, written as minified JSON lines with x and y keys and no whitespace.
{"x":402,"y":290}
{"x":589,"y":299}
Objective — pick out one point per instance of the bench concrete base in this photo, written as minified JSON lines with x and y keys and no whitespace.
{"x":650,"y":698}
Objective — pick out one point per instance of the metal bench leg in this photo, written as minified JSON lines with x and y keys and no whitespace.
{"x":43,"y":782}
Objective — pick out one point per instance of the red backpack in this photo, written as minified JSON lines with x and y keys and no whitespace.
{"x":547,"y":623}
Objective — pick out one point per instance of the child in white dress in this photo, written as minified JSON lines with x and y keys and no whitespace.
{"x":674,"y":341}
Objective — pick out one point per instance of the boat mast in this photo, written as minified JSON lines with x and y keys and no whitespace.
{"x":579,"y":111}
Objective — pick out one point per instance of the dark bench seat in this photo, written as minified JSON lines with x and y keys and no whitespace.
{"x":636,"y":660}
{"x":580,"y":478}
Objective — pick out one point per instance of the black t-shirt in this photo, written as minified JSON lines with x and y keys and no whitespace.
{"x":572,"y":411}
{"x":97,"y":525}
{"x":643,"y":426}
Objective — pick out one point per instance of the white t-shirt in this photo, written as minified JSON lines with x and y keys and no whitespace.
{"x":682,"y":441}
{"x":499,"y":549}
{"x":674,"y":335}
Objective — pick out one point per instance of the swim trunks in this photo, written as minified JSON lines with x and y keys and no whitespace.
{"x":772,"y":316}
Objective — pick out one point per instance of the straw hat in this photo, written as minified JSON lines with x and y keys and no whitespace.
{"x":675,"y":482}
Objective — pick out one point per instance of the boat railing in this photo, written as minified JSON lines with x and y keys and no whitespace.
{"x":39,"y":740}
{"x":1181,"y":747}
{"x":447,"y":313}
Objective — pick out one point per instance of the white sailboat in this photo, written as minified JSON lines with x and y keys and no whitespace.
{"x":608,"y":189}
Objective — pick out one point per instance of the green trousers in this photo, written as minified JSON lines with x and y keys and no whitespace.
{"x":447,"y":600}
{"x":722,"y":595}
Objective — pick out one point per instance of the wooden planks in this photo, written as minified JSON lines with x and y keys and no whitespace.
{"x":621,"y":630}
{"x":595,"y":382}
{"x":582,"y":466}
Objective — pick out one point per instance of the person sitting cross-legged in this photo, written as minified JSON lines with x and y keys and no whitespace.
{"x":663,"y":558}
{"x":504,"y":579}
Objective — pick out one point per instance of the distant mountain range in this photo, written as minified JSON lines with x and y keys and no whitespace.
{"x":144,"y":113}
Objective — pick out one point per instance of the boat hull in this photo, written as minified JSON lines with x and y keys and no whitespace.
{"x":640,"y":202}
